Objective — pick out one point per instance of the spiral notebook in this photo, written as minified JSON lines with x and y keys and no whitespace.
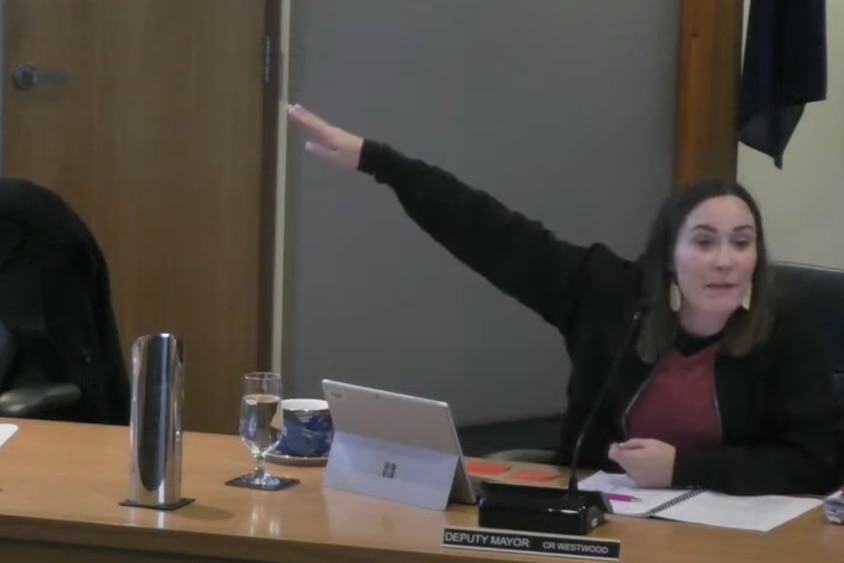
{"x":759,"y":513}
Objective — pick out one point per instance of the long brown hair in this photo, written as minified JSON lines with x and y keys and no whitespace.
{"x":745,"y":329}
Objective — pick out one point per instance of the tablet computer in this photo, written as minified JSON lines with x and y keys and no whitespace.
{"x":377,"y":430}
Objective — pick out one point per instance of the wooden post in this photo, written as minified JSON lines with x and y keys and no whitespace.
{"x":707,"y":104}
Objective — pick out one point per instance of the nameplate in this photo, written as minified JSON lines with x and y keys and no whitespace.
{"x":510,"y":541}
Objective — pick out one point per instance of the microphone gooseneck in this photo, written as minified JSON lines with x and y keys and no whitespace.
{"x":611,"y":376}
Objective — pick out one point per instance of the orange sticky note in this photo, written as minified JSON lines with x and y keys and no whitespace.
{"x":527,"y":474}
{"x":476,"y":467}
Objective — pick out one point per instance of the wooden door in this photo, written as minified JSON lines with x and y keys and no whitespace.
{"x":157,"y":143}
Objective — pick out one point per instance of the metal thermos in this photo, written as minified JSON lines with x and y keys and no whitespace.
{"x":155,"y":427}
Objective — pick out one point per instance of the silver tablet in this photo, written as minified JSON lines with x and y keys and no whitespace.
{"x":395,"y":418}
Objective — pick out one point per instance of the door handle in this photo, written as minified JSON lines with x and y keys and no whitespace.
{"x":27,"y":77}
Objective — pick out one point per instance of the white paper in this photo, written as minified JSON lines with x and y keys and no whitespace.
{"x":6,"y":431}
{"x":760,"y":513}
{"x":624,"y":485}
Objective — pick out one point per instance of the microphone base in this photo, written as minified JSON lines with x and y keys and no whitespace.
{"x":539,"y":509}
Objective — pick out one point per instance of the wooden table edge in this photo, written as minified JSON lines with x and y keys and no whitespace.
{"x":190,"y":543}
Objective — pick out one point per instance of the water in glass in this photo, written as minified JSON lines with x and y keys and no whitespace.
{"x":260,"y":422}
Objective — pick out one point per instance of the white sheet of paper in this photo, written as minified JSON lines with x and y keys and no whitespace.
{"x":760,"y":513}
{"x":6,"y":431}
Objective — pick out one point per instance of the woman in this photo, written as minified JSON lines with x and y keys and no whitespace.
{"x":715,"y":382}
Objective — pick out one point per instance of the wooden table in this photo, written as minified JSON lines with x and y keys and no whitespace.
{"x":60,"y":485}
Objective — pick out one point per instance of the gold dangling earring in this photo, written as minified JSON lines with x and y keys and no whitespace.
{"x":745,"y":302}
{"x":675,"y":299}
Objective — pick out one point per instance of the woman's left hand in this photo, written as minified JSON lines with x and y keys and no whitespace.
{"x":650,"y":463}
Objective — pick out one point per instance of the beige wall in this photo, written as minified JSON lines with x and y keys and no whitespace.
{"x":803,"y":204}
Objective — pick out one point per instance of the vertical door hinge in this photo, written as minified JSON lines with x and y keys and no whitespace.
{"x":265,"y":71}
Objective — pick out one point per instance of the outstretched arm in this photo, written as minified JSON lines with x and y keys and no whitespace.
{"x":517,"y":255}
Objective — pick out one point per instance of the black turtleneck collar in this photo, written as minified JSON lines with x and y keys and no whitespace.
{"x":688,"y":344}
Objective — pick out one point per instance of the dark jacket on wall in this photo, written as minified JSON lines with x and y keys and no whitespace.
{"x":784,"y":69}
{"x":777,"y":412}
{"x":55,"y":301}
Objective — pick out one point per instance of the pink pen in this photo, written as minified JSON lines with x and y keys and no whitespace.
{"x":621,"y":498}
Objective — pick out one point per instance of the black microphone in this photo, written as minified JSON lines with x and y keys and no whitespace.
{"x":558,"y":511}
{"x":612,"y":375}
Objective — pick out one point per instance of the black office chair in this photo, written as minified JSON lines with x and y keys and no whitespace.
{"x":818,"y":290}
{"x":26,"y":398}
{"x":60,"y":355}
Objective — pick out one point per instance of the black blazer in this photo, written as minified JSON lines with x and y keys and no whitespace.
{"x":776,"y":407}
{"x":55,"y":302}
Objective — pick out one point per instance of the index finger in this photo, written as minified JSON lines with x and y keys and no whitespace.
{"x":311,"y":121}
{"x":632,"y":444}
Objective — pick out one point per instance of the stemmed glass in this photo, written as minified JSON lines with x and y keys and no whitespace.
{"x":260,"y":425}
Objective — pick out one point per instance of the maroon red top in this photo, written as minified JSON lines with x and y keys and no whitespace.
{"x":677,"y":404}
